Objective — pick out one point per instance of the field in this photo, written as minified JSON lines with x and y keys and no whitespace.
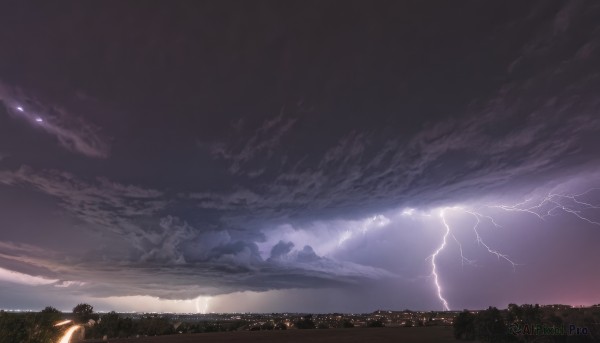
{"x":354,"y":335}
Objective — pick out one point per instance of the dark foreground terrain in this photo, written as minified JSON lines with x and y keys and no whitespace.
{"x":417,"y":334}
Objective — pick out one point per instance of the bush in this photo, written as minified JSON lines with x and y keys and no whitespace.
{"x":375,"y":324}
{"x":464,"y":326}
{"x":486,"y":326}
{"x":29,"y":327}
{"x":306,"y":323}
{"x":346,"y":324}
{"x":280,"y":326}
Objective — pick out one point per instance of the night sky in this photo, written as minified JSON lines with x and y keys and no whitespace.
{"x":305,"y":156}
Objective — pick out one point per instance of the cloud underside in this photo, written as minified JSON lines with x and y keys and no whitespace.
{"x":237,"y":270}
{"x":538,"y":125}
{"x":71,"y":131}
{"x":539,"y":129}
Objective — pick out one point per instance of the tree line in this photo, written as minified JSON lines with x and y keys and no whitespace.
{"x":39,"y":327}
{"x":32,"y":327}
{"x":529,"y":323}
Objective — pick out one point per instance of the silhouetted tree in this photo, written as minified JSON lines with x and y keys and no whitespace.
{"x":50,"y":316}
{"x":306,"y":322}
{"x":346,"y":324}
{"x":155,"y":325}
{"x":12,"y":327}
{"x":490,"y":326}
{"x":280,"y":326}
{"x":375,"y":324}
{"x":531,"y":313}
{"x":110,"y":324}
{"x":50,"y":309}
{"x":515,"y":314}
{"x":267,"y":326}
{"x":28,"y":327}
{"x":464,"y":326}
{"x":84,"y":312}
{"x":126,"y":327}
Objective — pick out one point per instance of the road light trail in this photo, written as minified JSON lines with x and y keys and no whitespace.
{"x":63,"y":322}
{"x":66,"y":338}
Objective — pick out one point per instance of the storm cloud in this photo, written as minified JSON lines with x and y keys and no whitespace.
{"x":226,"y":152}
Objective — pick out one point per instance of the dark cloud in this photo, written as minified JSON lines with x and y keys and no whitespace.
{"x":228,"y":266}
{"x":109,"y":204}
{"x":307,"y":254}
{"x":262,"y":144}
{"x":288,"y":148}
{"x":456,"y":155}
{"x":71,"y":131}
{"x":281,"y":249}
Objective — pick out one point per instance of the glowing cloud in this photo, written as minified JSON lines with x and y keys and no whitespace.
{"x":24,"y":279}
{"x":72,"y":132}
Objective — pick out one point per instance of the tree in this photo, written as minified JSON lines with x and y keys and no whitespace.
{"x":267,"y":326}
{"x":490,"y":326}
{"x":12,"y":327}
{"x":346,"y":324}
{"x":110,"y":324}
{"x":280,"y":326}
{"x":464,"y":326}
{"x":375,"y":324}
{"x":531,"y":313}
{"x":45,"y":324}
{"x":84,"y":312}
{"x":306,"y":323}
{"x":50,"y":315}
{"x":156,"y":325}
{"x":126,"y":327}
{"x":50,"y":309}
{"x":28,"y":327}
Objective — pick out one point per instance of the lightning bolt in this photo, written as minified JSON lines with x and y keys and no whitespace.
{"x":435,"y":255}
{"x":205,"y":307}
{"x":448,"y":232}
{"x":552,"y":204}
{"x":480,"y":241}
{"x":463,"y":259}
